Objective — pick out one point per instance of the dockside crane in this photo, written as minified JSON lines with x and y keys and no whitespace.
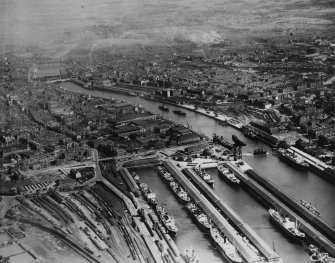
{"x":237,"y":147}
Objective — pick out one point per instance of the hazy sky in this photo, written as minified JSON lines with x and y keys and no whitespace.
{"x":50,"y":23}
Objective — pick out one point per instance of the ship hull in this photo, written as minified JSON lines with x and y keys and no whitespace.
{"x":227,"y":180}
{"x":181,"y":113}
{"x":292,"y":162}
{"x":286,"y":232}
{"x":171,"y":232}
{"x":201,"y":226}
{"x":163,"y":108}
{"x":182,"y":201}
{"x":222,"y":252}
{"x":163,"y":177}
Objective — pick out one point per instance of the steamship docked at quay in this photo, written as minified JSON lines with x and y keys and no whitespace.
{"x":292,"y":159}
{"x":289,"y":227}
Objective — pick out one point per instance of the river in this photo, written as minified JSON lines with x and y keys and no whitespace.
{"x":299,"y":184}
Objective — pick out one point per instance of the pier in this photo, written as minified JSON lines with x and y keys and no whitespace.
{"x":293,"y":204}
{"x":216,"y":217}
{"x":132,"y":185}
{"x":265,"y":194}
{"x":259,"y":243}
{"x":317,"y":166}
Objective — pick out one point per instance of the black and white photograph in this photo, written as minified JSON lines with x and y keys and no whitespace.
{"x":167,"y":131}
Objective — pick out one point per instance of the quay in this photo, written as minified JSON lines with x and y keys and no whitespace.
{"x":249,"y":255}
{"x":132,"y":185}
{"x":265,"y":194}
{"x":141,"y":163}
{"x":317,"y":166}
{"x":288,"y":200}
{"x":259,"y":243}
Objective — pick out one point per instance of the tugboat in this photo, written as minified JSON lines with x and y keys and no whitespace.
{"x":183,"y":197}
{"x":167,"y":220}
{"x":293,"y":159}
{"x":163,"y":108}
{"x":260,"y":151}
{"x":285,"y":223}
{"x":179,"y":112}
{"x":228,"y":175}
{"x":190,"y":256}
{"x":226,"y":248}
{"x":310,"y":207}
{"x":205,"y":176}
{"x":202,"y":220}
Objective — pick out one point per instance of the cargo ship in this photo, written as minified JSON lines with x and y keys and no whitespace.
{"x":228,"y":175}
{"x":148,"y":194}
{"x":163,"y":108}
{"x":293,"y":159}
{"x":310,"y":207}
{"x":285,"y":223}
{"x":226,"y":248}
{"x":260,"y":151}
{"x":205,"y":176}
{"x":183,"y":197}
{"x":201,"y":219}
{"x":167,"y":220}
{"x":190,"y":257}
{"x":167,"y":177}
{"x":179,"y":112}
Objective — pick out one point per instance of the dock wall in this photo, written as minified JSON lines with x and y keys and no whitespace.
{"x":211,"y":211}
{"x":269,"y":199}
{"x":295,"y":205}
{"x":233,"y":216}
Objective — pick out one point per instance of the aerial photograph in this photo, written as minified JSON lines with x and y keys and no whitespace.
{"x":175,"y":131}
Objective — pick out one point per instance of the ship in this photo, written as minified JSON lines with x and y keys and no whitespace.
{"x":317,"y":256}
{"x":310,"y":207}
{"x":165,"y":174}
{"x":250,"y":134}
{"x":293,"y":159}
{"x":260,"y":151}
{"x":285,"y":223}
{"x":205,"y":176}
{"x":148,"y":194}
{"x":228,"y":175}
{"x":179,"y":112}
{"x":167,"y":220}
{"x":136,"y":177}
{"x":223,"y":123}
{"x":163,"y":108}
{"x":183,"y":197}
{"x":190,"y":257}
{"x":226,"y":248}
{"x":220,"y":140}
{"x":201,"y":219}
